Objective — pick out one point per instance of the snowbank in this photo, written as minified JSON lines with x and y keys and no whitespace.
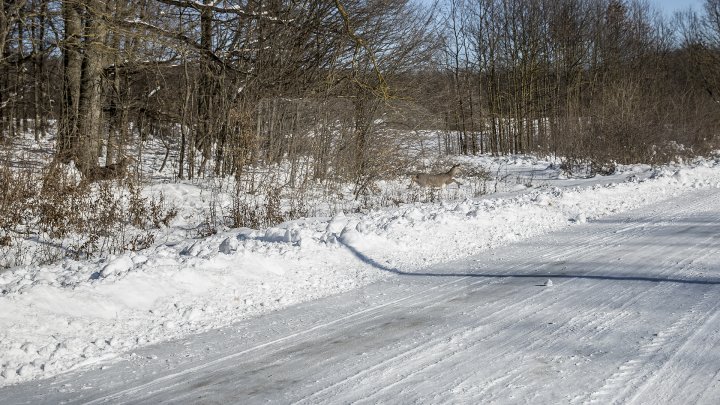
{"x":75,"y":313}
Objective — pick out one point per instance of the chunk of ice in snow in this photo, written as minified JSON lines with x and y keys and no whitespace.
{"x":8,"y":374}
{"x":350,"y":235}
{"x":193,"y":314}
{"x":548,"y":283}
{"x":680,"y":177}
{"x":542,"y":199}
{"x":413,"y":214}
{"x":25,"y":370}
{"x":229,"y":245}
{"x":337,"y":223}
{"x":462,"y":208}
{"x":117,"y":266}
{"x":362,"y":227}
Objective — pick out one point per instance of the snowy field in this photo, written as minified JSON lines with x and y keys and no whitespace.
{"x":91,"y":314}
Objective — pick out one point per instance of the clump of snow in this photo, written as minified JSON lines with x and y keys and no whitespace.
{"x":580,"y":218}
{"x":70,"y":314}
{"x":229,"y":245}
{"x":117,"y":267}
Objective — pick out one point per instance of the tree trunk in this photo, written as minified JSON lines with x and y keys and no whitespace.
{"x":72,"y":73}
{"x":90,"y":106}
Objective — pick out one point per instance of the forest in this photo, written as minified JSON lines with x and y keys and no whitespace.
{"x":331,"y":92}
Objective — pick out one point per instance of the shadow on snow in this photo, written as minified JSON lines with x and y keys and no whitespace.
{"x":540,"y":275}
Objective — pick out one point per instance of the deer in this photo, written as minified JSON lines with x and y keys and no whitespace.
{"x":112,"y":171}
{"x":436,"y":180}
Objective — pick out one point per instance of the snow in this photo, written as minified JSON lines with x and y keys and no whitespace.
{"x":632,"y":318}
{"x":83,"y":314}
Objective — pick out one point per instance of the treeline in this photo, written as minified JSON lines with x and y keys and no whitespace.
{"x":597,"y":80}
{"x":226,"y":84}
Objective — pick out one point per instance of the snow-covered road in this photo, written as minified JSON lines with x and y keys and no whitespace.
{"x":632,"y":316}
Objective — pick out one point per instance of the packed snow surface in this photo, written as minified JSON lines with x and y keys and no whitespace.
{"x":91,"y":314}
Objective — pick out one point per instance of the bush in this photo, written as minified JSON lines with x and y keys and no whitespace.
{"x":69,"y":217}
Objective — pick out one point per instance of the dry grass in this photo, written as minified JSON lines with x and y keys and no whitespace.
{"x":73,"y":218}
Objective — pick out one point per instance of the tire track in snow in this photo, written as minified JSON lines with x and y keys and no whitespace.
{"x":671,"y":267}
{"x":608,"y":320}
{"x":589,"y":329}
{"x":631,"y":377}
{"x":591,"y":240}
{"x":506,"y":309}
{"x":713,"y":387}
{"x":700,"y":345}
{"x":510,"y":344}
{"x":117,"y":396}
{"x":634,"y":373}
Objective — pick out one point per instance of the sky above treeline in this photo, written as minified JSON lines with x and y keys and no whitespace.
{"x":671,"y":6}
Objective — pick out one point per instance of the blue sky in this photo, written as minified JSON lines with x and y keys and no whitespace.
{"x":670,"y":6}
